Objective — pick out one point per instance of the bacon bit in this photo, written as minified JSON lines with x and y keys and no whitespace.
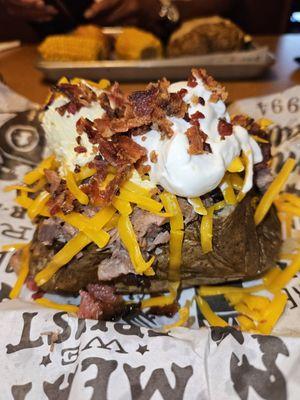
{"x":192,"y":81}
{"x":78,"y":140}
{"x":31,"y":285}
{"x":166,"y":127}
{"x":80,"y":149}
{"x":144,"y":138}
{"x":218,"y":91}
{"x":196,"y":140}
{"x":242,"y":120}
{"x":224,"y":128}
{"x":153,"y":156}
{"x":116,"y":96}
{"x":37,"y":295}
{"x":141,"y":130}
{"x":143,"y":101}
{"x":197,"y":115}
{"x":182,"y":92}
{"x":201,"y":101}
{"x":80,"y":95}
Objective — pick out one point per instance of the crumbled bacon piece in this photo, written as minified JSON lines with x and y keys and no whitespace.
{"x":80,"y":95}
{"x":80,"y":149}
{"x":143,"y":101}
{"x":194,"y":119}
{"x":182,"y":92}
{"x":218,"y":91}
{"x":196,"y":140}
{"x":100,"y":302}
{"x":153,"y":156}
{"x":224,"y":128}
{"x":192,"y":81}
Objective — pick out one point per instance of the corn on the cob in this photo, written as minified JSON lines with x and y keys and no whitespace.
{"x":70,"y":48}
{"x":94,"y":32}
{"x":135,"y":44}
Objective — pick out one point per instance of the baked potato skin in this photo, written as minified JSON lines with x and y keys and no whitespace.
{"x":241,"y":251}
{"x":214,"y":36}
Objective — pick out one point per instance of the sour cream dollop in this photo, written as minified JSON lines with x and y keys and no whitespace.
{"x":61,"y":131}
{"x":188,"y":175}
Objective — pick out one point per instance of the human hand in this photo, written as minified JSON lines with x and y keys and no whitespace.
{"x":31,"y":10}
{"x":113,"y":11}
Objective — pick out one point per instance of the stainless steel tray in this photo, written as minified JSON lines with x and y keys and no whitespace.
{"x":239,"y":65}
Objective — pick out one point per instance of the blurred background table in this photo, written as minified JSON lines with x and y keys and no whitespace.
{"x":17,"y":68}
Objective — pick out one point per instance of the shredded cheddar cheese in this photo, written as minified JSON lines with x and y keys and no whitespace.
{"x":38,"y":204}
{"x":70,"y":308}
{"x":13,"y":246}
{"x":283,"y":277}
{"x":184,"y":314}
{"x":161,"y":301}
{"x":273,"y":190}
{"x":273,"y":313}
{"x":18,"y":187}
{"x":236,"y":181}
{"x":216,"y":290}
{"x":236,"y":165}
{"x":176,"y":241}
{"x":144,"y":202}
{"x":83,"y":224}
{"x":24,"y":270}
{"x":291,"y":198}
{"x":259,"y":139}
{"x":129,"y":240}
{"x":171,"y":206}
{"x":206,"y":230}
{"x":74,"y":189}
{"x":132,"y":187}
{"x":246,"y":323}
{"x":227,"y":190}
{"x":62,"y":257}
{"x":212,"y":318}
{"x":84,"y":173}
{"x":122,"y":206}
{"x":198,"y":205}
{"x":38,"y":172}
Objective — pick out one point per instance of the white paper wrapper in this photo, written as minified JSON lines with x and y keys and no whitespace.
{"x":46,"y":354}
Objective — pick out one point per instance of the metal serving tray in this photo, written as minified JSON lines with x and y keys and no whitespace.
{"x":238,"y":65}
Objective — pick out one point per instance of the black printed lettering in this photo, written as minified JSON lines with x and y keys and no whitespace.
{"x":290,"y":298}
{"x":16,"y":233}
{"x":53,"y":391}
{"x":98,"y":343}
{"x":25,"y":341}
{"x":18,"y":212}
{"x":158,"y":382}
{"x":59,"y":321}
{"x":128,"y":330}
{"x":100,"y":382}
{"x":69,"y":356}
{"x":19,"y":392}
{"x":81,"y":328}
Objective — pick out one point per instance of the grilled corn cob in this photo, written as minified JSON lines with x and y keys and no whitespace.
{"x":94,"y":32}
{"x":135,"y":44}
{"x":70,"y":48}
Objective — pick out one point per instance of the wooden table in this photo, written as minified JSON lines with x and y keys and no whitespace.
{"x":18,"y":71}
